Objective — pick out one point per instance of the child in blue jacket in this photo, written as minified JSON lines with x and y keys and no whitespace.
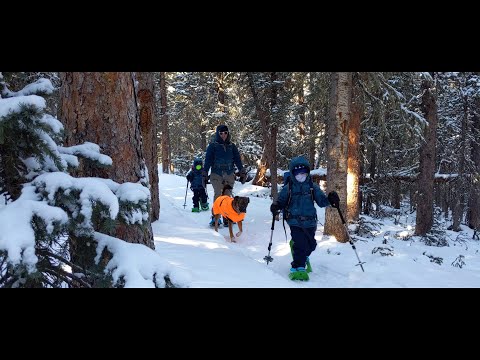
{"x":198,"y":185}
{"x":297,"y":197}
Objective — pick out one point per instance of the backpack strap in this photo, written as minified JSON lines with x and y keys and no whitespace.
{"x":312,"y":196}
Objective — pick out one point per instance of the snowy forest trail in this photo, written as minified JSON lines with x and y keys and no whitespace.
{"x":185,"y":239}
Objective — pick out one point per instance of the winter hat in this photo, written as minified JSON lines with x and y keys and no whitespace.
{"x":222,"y":128}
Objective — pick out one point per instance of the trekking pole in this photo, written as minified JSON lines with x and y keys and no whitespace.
{"x":350,"y":239}
{"x":186,"y":189}
{"x":268,"y":258}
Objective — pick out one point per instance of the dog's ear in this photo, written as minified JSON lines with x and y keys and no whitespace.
{"x":248,"y":200}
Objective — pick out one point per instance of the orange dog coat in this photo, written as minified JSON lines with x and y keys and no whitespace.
{"x":223,"y":205}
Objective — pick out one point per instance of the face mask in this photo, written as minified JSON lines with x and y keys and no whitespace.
{"x":301,"y":177}
{"x":198,"y":167}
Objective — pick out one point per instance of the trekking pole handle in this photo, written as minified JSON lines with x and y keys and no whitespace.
{"x":273,"y":222}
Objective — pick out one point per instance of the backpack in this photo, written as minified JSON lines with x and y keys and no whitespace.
{"x":287,"y":180}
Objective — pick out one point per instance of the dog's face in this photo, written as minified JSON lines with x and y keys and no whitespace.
{"x":240,"y":204}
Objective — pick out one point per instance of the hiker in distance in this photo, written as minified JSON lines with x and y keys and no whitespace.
{"x":221,"y":156}
{"x":197,"y":185}
{"x":297,"y":198}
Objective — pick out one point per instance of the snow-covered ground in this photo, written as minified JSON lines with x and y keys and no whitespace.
{"x":185,"y":240}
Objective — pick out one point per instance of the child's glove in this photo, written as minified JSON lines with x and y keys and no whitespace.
{"x":205,"y":177}
{"x":274,"y":208}
{"x":243,"y":175}
{"x":334,"y":199}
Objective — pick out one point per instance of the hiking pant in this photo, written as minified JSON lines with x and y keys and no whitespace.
{"x":199,"y":194}
{"x":304,"y":244}
{"x":218,"y":182}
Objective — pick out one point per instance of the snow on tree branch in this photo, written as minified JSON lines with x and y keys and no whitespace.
{"x":138,"y":265}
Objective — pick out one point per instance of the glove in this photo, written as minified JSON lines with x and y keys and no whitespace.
{"x":204,"y":177}
{"x":334,"y":199}
{"x":274,"y":208}
{"x":243,"y":176}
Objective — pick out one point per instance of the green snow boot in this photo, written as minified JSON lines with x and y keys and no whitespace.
{"x":195,"y":209}
{"x":309,"y":267}
{"x":298,"y":274}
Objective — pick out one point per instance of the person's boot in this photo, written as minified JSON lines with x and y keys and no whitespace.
{"x":307,"y":263}
{"x":225,"y":221}
{"x":212,"y":222}
{"x":308,"y":266}
{"x":298,"y":274}
{"x":205,"y":207}
{"x":195,"y":209}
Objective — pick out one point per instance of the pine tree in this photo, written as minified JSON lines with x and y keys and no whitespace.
{"x":44,"y":204}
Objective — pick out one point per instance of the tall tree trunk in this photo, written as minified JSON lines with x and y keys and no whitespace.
{"x":474,"y":203}
{"x":461,"y":182}
{"x":264,"y":118}
{"x":425,"y":184}
{"x":372,"y":170}
{"x":301,"y":104}
{"x":353,"y":176}
{"x":148,"y":127}
{"x":100,"y":107}
{"x":312,"y":128}
{"x":272,"y":148}
{"x":221,"y":106}
{"x":337,"y":150}
{"x":164,"y":123}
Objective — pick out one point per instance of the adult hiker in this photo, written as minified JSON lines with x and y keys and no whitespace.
{"x":297,"y":198}
{"x":221,"y":156}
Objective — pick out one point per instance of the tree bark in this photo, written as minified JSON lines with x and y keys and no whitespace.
{"x":221,"y":106}
{"x":425,"y":184}
{"x":337,"y":150}
{"x":148,"y":127}
{"x":312,"y":128}
{"x":353,"y":175}
{"x":100,"y":107}
{"x":461,"y":183}
{"x":474,"y":203}
{"x":164,"y":125}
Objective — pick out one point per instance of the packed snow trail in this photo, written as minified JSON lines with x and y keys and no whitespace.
{"x":184,"y":239}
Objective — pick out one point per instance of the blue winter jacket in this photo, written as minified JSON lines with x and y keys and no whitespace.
{"x":301,"y":211}
{"x":221,"y":156}
{"x":195,"y":177}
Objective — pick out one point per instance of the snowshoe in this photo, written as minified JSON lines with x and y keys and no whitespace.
{"x":298,"y":274}
{"x":307,"y":264}
{"x":195,"y":209}
{"x":212,"y":222}
{"x":205,"y":207}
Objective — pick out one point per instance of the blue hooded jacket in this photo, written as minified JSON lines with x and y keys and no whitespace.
{"x":195,"y":177}
{"x":221,"y":156}
{"x":301,"y":211}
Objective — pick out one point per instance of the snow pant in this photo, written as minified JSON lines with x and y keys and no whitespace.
{"x":199,"y":194}
{"x":304,"y":244}
{"x":219,"y":181}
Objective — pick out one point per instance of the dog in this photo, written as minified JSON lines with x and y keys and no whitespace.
{"x":231,"y":208}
